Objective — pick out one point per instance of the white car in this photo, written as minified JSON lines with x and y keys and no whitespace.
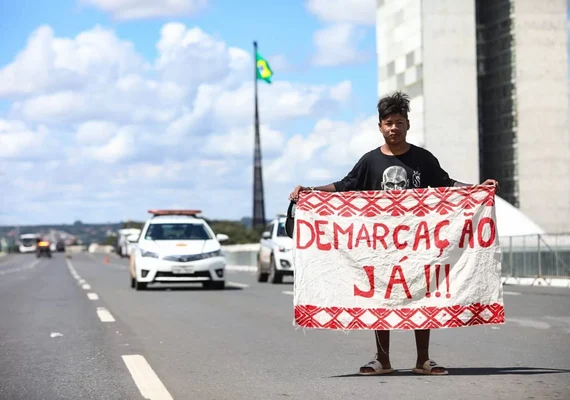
{"x":131,"y":243}
{"x":123,"y":241}
{"x":275,"y":256}
{"x":176,"y":246}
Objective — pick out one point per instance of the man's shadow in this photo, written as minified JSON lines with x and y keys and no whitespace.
{"x":473,"y":371}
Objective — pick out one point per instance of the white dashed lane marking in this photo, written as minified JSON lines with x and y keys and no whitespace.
{"x":287,"y":292}
{"x":145,"y":378}
{"x":105,"y":315}
{"x":92,"y":296}
{"x":238,"y":284}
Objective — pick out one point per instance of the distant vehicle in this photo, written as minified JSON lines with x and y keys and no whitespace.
{"x":274,"y":260}
{"x":122,"y":241}
{"x":60,"y":246}
{"x":28,"y":243}
{"x":131,"y":243}
{"x":177,"y":246}
{"x":43,"y":248}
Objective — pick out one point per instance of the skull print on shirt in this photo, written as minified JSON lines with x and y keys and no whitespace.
{"x":395,"y":178}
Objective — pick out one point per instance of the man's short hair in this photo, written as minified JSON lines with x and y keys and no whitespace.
{"x":396,"y":103}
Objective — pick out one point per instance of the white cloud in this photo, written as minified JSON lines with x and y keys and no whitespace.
{"x":117,"y":148}
{"x":332,"y":146}
{"x":346,"y":24}
{"x":18,"y":141}
{"x":352,"y":11}
{"x":117,"y":134}
{"x":94,"y":57}
{"x":141,"y":9}
{"x":240,"y":142}
{"x":95,"y":132}
{"x":337,"y":45}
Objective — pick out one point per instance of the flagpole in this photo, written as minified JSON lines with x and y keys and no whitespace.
{"x":258,"y":195}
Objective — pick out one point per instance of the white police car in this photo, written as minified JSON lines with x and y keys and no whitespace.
{"x":275,"y":259}
{"x":176,"y":246}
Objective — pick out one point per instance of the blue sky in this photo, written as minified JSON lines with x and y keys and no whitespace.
{"x":284,"y":29}
{"x":108,"y":109}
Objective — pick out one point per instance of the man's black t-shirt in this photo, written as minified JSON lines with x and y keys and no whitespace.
{"x":416,"y":168}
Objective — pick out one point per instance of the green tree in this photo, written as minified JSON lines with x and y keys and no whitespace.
{"x":238,"y":232}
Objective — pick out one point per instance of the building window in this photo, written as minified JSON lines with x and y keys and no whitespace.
{"x":391,"y":69}
{"x":409,"y":59}
{"x":401,"y":81}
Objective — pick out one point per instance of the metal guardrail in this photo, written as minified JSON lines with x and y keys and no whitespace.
{"x":241,"y":254}
{"x":546,"y":255}
{"x":542,"y":256}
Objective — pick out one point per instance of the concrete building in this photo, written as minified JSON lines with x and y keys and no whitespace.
{"x":488,"y":81}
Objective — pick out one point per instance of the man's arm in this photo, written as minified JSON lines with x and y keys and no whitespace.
{"x":326,"y":188}
{"x":461,"y":184}
{"x":350,"y":182}
{"x":438,"y":177}
{"x":441,"y":178}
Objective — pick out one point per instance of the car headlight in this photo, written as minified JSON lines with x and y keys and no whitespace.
{"x":216,"y":253}
{"x":150,"y":254}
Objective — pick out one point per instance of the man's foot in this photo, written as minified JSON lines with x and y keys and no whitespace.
{"x":430,"y":367}
{"x":376,"y":367}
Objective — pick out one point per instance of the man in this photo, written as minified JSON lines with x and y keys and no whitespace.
{"x":396,"y":164}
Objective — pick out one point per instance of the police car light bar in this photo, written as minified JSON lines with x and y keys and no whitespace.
{"x":191,"y":213}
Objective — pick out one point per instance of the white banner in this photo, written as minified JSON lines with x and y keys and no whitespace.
{"x":401,"y":259}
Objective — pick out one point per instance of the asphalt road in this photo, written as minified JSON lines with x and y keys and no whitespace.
{"x":76,"y":330}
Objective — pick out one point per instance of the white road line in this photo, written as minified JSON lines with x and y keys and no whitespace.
{"x":92,"y":296}
{"x":145,"y":378}
{"x":287,"y":292}
{"x":104,"y":315}
{"x":238,"y":284}
{"x":512,"y":293}
{"x":86,"y":286}
{"x":73,"y":271}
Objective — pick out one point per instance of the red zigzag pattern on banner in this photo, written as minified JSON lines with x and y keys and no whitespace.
{"x":309,"y":316}
{"x":419,"y":202}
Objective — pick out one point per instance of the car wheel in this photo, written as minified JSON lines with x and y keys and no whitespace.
{"x":140,"y":285}
{"x":261,"y":276}
{"x":215,"y":285}
{"x":274,"y":275}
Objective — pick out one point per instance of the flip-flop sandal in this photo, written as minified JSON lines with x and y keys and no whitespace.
{"x":377,"y":367}
{"x":428,"y":369}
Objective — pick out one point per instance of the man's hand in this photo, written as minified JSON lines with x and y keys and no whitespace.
{"x":491,"y":182}
{"x":294,"y":195}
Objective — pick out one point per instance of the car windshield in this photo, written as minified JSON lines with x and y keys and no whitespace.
{"x":177,"y":232}
{"x":281,"y":229}
{"x":28,"y":242}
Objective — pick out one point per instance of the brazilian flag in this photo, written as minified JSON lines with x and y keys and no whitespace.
{"x":264,"y":71}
